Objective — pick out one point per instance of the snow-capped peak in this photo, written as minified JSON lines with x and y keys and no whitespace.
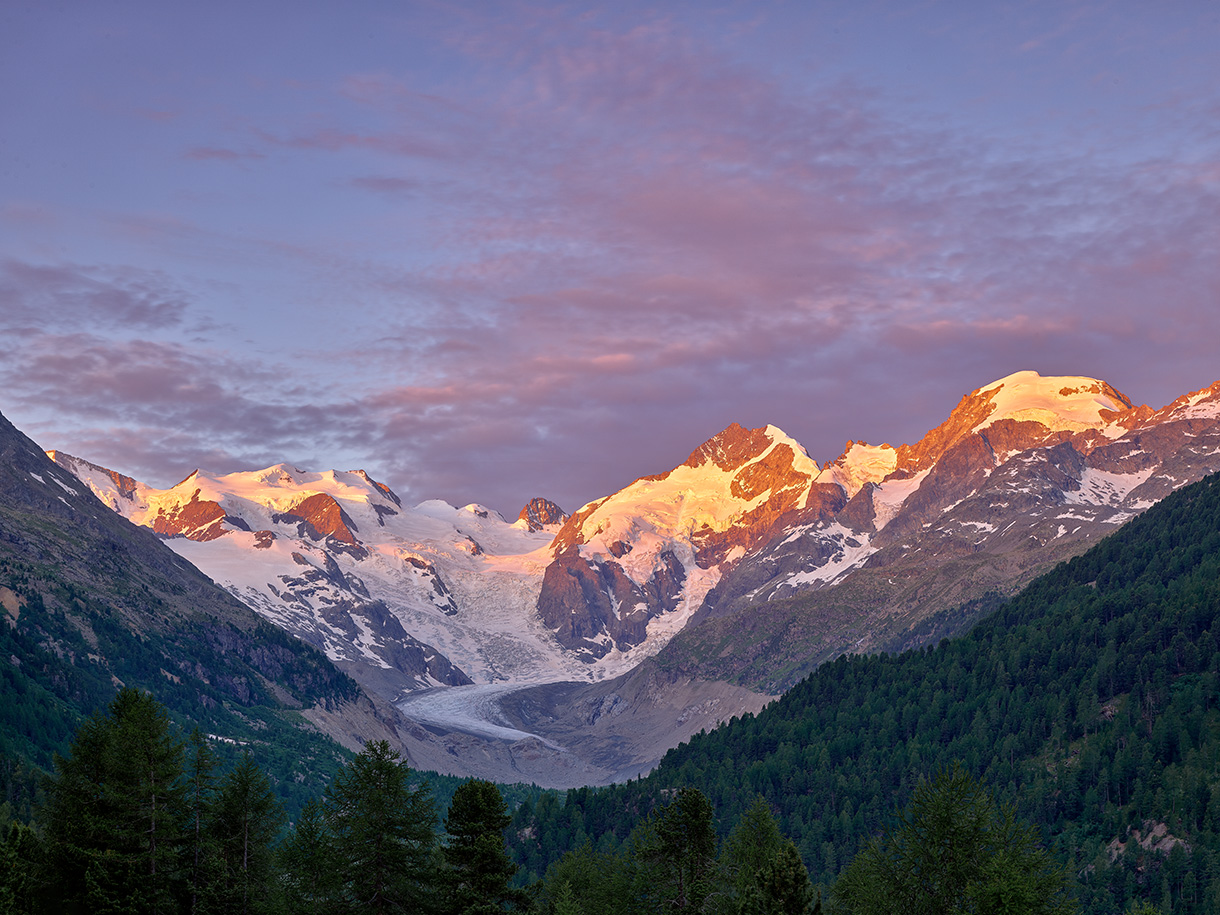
{"x":860,"y":463}
{"x":1061,"y":403}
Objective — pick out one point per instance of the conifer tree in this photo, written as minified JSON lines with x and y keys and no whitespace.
{"x":750,"y":844}
{"x":200,"y":856}
{"x":952,"y":851}
{"x":601,"y":883}
{"x":20,"y":858}
{"x":246,"y":819}
{"x":383,"y":831}
{"x":307,"y":864}
{"x":677,"y":851}
{"x":115,"y":813}
{"x":782,"y":885}
{"x":479,"y":867}
{"x":565,"y":902}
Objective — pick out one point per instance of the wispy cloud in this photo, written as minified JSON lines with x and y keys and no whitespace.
{"x":122,"y":298}
{"x":583,"y":243}
{"x":218,"y":153}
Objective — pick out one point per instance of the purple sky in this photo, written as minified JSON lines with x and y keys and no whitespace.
{"x":493,"y":250}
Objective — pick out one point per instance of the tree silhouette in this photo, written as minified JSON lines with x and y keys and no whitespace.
{"x":382,"y":832}
{"x":116,"y":811}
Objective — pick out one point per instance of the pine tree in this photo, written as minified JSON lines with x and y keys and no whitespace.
{"x":115,"y":814}
{"x":479,"y":867}
{"x":383,"y":832}
{"x":246,"y":819}
{"x":307,"y":864}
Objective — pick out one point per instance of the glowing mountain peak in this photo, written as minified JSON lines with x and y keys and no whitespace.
{"x":1061,"y":403}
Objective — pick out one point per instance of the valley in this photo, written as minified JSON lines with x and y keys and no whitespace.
{"x":578,"y":649}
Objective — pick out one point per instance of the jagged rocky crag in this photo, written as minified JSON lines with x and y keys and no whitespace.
{"x":748,"y":564}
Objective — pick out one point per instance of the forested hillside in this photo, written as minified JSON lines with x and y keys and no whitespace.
{"x":1090,"y":701}
{"x":89,"y":603}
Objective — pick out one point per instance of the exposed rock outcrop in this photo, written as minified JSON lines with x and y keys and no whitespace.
{"x":539,"y":514}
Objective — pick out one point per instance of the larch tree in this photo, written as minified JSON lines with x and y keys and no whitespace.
{"x":382,"y":832}
{"x":246,"y":819}
{"x":307,"y":864}
{"x":677,"y":852}
{"x":115,"y":816}
{"x":953,"y":850}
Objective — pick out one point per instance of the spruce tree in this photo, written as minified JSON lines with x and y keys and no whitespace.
{"x":479,"y":867}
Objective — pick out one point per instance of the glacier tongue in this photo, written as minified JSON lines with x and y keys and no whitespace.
{"x":470,"y":709}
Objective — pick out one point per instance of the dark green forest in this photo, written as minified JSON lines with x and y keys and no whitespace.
{"x":55,"y":676}
{"x":1089,"y":703}
{"x":137,"y":818}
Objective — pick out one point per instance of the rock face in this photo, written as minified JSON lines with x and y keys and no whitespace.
{"x":652,"y":551}
{"x":92,"y":602}
{"x":288,"y":544}
{"x":319,"y":517}
{"x":197,"y":520}
{"x":594,"y":607}
{"x":542,"y":514}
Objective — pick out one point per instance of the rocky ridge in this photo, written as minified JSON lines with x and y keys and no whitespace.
{"x":1005,"y":498}
{"x":93,"y":602}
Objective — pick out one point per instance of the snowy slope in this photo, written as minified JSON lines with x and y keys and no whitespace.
{"x":335,"y":558}
{"x":1020,"y":464}
{"x":1070,"y":403}
{"x":632,"y":569}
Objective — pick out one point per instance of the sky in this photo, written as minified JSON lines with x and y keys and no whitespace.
{"x":489,"y":250}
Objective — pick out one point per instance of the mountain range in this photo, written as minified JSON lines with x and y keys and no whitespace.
{"x":577,"y":649}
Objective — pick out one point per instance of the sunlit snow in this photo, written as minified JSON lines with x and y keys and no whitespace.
{"x":1068,"y":403}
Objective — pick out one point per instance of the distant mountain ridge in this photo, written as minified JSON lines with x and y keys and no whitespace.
{"x":748,"y":564}
{"x":92,"y":602}
{"x":999,"y":492}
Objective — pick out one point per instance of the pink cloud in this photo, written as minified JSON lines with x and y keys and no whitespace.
{"x":615,"y":240}
{"x":386,"y":184}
